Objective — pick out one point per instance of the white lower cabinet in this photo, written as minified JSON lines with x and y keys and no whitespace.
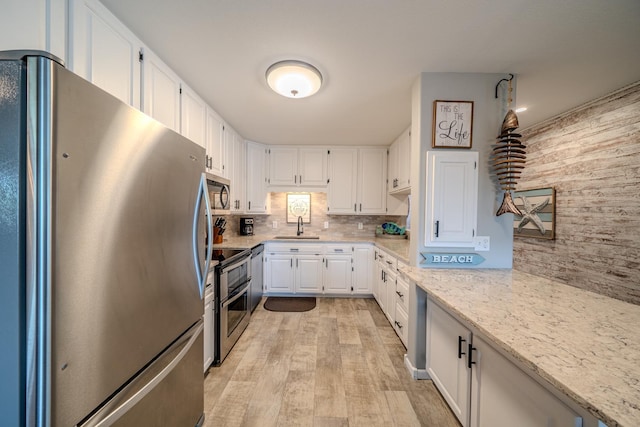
{"x":209,"y":328}
{"x":308,"y":273}
{"x":391,"y":291}
{"x":338,"y":273}
{"x":483,"y":387}
{"x":312,"y":268}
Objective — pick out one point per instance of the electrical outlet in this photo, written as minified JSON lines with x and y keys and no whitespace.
{"x":326,"y":224}
{"x":274,"y":224}
{"x":482,"y":243}
{"x":359,"y":226}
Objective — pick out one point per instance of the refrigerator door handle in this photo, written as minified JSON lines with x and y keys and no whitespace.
{"x":103,"y":420}
{"x":202,"y":274}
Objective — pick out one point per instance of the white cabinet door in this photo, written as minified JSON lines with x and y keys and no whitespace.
{"x":193,"y":115}
{"x":392,"y":167}
{"x":372,"y":181}
{"x":104,"y":51}
{"x":208,"y":330}
{"x":238,"y":167}
{"x":403,"y":168}
{"x":447,"y":348}
{"x":283,"y":166}
{"x":215,"y":143}
{"x":363,"y":270}
{"x":161,"y":91}
{"x":390,"y":300}
{"x":279,"y":273}
{"x":308,"y":274}
{"x":502,"y":394}
{"x":256,"y":176}
{"x":343,"y":174}
{"x":312,"y":167}
{"x":401,"y":324}
{"x":452,"y":198}
{"x":338,"y":274}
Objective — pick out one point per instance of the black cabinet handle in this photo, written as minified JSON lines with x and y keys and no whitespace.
{"x":470,"y":359}
{"x":400,"y":294}
{"x":437,"y":228}
{"x":398,"y":324}
{"x":460,"y":352}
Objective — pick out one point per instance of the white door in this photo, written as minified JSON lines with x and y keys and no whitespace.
{"x":502,"y":394}
{"x":215,"y":143}
{"x":338,"y":274}
{"x":256,"y":173}
{"x":452,"y":195}
{"x":447,"y":348}
{"x":372,"y":181}
{"x":279,"y":275}
{"x":308,"y":274}
{"x":343,"y":173}
{"x":312,"y":167}
{"x":193,"y":114}
{"x":104,"y":51}
{"x":283,"y":165}
{"x":238,"y":174}
{"x":161,"y":94}
{"x":363,"y":269}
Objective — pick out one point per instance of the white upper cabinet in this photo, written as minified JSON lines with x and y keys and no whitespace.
{"x":283,"y":166}
{"x":215,"y":143}
{"x":357,"y":181}
{"x":161,"y":94}
{"x":257,"y":196}
{"x":312,"y":167}
{"x":292,"y":166}
{"x":104,"y":51}
{"x":400,"y":164}
{"x":238,"y":168}
{"x":452,"y":198}
{"x":343,"y":174}
{"x":372,"y":181}
{"x":193,"y":113}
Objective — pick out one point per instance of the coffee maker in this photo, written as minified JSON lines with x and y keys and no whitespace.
{"x":246,"y":226}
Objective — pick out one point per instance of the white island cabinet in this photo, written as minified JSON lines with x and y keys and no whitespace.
{"x":482,"y":386}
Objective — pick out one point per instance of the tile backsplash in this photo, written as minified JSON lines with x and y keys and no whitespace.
{"x":339,"y":225}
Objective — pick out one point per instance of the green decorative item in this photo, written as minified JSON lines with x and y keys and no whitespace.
{"x":392,"y":228}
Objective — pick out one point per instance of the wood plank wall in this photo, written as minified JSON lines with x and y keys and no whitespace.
{"x":591,"y":155}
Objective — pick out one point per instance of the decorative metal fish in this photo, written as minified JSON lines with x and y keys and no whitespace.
{"x":509,"y":156}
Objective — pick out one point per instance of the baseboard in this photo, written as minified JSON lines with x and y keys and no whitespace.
{"x":416,"y":374}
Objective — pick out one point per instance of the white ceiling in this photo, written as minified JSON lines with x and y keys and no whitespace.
{"x":370,"y":53}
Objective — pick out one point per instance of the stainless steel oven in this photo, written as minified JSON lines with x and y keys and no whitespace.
{"x":233,"y":276}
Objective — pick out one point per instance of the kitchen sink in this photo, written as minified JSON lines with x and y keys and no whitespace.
{"x":297,"y":237}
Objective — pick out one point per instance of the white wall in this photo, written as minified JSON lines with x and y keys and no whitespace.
{"x":488,"y":115}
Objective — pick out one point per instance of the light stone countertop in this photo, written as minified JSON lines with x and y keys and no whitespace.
{"x":586,"y":345}
{"x":398,"y":248}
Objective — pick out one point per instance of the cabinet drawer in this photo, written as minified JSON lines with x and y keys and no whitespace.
{"x":402,"y":293}
{"x":288,"y":248}
{"x":388,"y":261}
{"x":401,"y":324}
{"x":337,"y":249}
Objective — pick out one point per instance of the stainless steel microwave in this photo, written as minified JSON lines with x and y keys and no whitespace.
{"x":219,"y":194}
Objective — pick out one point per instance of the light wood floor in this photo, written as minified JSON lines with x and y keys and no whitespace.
{"x":340,"y":364}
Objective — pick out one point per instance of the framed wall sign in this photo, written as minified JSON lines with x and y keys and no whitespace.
{"x":298,"y":205}
{"x":538,"y":208}
{"x":452,"y":124}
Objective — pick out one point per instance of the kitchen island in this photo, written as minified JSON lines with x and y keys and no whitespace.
{"x":585,"y":345}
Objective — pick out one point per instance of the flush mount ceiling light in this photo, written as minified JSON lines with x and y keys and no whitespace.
{"x":294,"y":79}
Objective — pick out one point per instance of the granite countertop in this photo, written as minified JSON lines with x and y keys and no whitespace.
{"x":584,"y":344}
{"x":399,"y":248}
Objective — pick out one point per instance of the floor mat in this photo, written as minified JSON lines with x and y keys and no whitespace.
{"x":290,"y":303}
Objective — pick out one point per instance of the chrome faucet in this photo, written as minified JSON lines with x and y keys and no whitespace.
{"x":300,"y":226}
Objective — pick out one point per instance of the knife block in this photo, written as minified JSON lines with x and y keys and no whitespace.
{"x":217,"y":237}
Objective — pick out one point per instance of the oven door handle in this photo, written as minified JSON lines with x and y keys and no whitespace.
{"x":202,"y":273}
{"x":235,"y":296}
{"x":236,"y":265}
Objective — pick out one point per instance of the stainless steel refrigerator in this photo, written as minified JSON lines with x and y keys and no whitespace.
{"x":102,"y":256}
